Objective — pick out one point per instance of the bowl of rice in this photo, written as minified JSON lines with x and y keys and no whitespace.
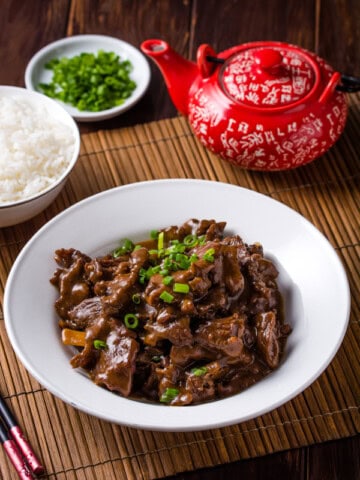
{"x":39,"y":144}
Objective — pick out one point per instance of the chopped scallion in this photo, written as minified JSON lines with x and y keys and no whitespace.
{"x":209,"y":255}
{"x":168,"y":395}
{"x":161,"y":240}
{"x":90,"y":81}
{"x":126,"y":247}
{"x":190,"y":240}
{"x":193,"y":258}
{"x":199,"y":371}
{"x":181,"y":288}
{"x":99,"y":344}
{"x":131,"y":320}
{"x":136,"y":298}
{"x":166,"y":297}
{"x":202,"y":240}
{"x":167,"y":280}
{"x":146,"y":274}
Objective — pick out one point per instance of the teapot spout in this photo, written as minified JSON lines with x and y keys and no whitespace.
{"x":178,"y":73}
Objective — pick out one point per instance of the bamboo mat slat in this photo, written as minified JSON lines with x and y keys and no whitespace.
{"x":77,"y":446}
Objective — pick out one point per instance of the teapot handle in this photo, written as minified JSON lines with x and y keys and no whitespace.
{"x":341,"y":83}
{"x":330,"y":87}
{"x":349,"y":84}
{"x":206,"y":60}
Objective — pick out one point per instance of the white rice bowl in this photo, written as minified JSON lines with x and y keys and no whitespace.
{"x":39,"y":145}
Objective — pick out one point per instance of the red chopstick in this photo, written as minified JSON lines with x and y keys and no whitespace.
{"x":14,"y":434}
{"x":14,"y":454}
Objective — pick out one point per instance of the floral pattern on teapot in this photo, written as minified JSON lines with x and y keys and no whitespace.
{"x":260,"y":145}
{"x":245,"y":82}
{"x":261,"y":105}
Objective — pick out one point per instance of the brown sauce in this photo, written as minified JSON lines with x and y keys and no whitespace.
{"x":188,"y":317}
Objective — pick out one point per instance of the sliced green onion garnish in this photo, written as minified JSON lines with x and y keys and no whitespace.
{"x":176,"y":261}
{"x":193,"y":258}
{"x":131,"y":320}
{"x":182,"y":261}
{"x":199,"y":371}
{"x":145,"y":275}
{"x":142,"y":275}
{"x":136,"y":298}
{"x":209,"y":255}
{"x":202,"y":240}
{"x":126,"y":247}
{"x":99,"y":344}
{"x":167,"y":280}
{"x":161,"y":241}
{"x":169,"y":395}
{"x":181,"y":288}
{"x":154,"y":234}
{"x":169,"y":264}
{"x":175,"y":248}
{"x":190,"y":240}
{"x":166,"y":297}
{"x":117,"y":252}
{"x":128,"y":244}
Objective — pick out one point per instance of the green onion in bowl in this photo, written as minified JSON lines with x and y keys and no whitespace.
{"x":90,"y":82}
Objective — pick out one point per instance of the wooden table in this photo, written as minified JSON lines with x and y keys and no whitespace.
{"x":330,"y":28}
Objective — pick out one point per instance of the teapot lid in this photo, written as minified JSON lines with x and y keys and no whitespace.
{"x":268,"y":76}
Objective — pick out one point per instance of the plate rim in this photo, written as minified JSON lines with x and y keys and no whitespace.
{"x":150,"y":425}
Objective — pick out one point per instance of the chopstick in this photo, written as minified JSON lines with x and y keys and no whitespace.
{"x":16,"y":445}
{"x":14,"y":454}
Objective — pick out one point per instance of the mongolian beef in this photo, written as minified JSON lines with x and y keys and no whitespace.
{"x":188,"y":316}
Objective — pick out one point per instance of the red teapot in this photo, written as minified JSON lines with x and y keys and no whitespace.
{"x":261,"y":105}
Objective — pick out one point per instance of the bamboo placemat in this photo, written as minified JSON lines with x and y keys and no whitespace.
{"x":74,"y":445}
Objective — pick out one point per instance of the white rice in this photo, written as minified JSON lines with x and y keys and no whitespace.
{"x":35,"y":148}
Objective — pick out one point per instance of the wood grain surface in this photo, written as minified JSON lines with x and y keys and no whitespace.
{"x":331,"y":28}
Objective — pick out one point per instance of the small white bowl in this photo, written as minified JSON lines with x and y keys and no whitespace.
{"x":36,"y":72}
{"x":18,"y":211}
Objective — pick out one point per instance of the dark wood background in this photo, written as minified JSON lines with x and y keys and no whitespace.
{"x":331,"y":28}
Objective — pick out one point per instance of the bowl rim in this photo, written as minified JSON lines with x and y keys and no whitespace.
{"x":75,"y":129}
{"x":88,"y":116}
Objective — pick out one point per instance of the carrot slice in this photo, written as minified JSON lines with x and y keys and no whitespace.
{"x":73,"y":337}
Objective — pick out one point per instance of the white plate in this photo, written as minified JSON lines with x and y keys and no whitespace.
{"x":312,"y":280}
{"x":36,"y":72}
